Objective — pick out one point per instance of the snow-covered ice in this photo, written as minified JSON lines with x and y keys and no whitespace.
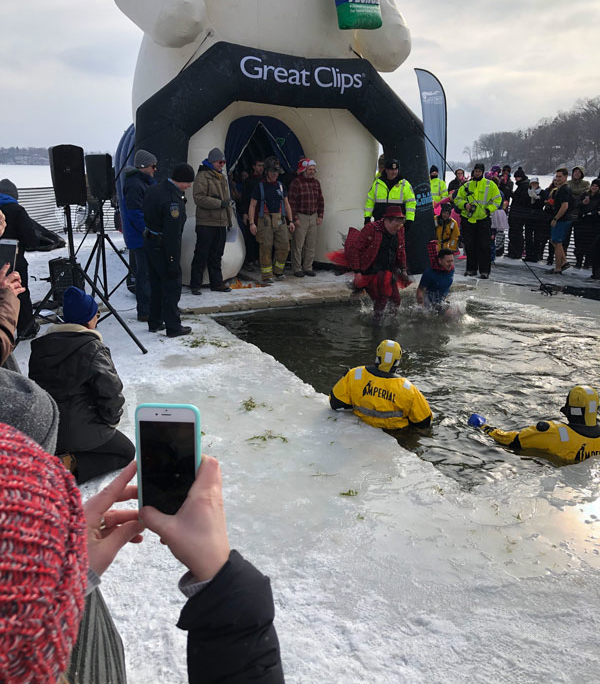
{"x":414,"y":579}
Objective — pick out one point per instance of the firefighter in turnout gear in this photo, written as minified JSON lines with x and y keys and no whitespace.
{"x":570,"y":443}
{"x":390,"y":189}
{"x":378,"y":396}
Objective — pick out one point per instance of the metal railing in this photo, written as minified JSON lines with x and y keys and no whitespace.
{"x":40,"y":204}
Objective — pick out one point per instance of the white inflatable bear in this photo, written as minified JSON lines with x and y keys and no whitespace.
{"x":178,"y":31}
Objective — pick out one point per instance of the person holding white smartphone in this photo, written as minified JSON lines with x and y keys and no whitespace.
{"x":228,"y":597}
{"x":10,"y":289}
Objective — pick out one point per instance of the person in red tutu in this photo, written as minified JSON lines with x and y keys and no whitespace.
{"x":377,"y":256}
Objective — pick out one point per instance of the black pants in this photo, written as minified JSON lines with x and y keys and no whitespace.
{"x":515,"y":236}
{"x":210,"y":244}
{"x":165,"y":289}
{"x":535,"y":238}
{"x":112,"y":455}
{"x":26,"y":308}
{"x":478,"y":244}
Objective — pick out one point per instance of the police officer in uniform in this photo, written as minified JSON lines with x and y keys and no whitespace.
{"x":571,"y":443}
{"x":164,"y":215}
{"x":378,"y":396}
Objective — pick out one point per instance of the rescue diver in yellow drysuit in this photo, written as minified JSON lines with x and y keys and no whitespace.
{"x":571,"y":443}
{"x":378,"y":396}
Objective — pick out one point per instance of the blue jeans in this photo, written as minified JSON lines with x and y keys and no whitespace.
{"x":142,"y":281}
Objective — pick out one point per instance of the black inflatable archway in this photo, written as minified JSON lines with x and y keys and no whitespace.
{"x":227,"y":73}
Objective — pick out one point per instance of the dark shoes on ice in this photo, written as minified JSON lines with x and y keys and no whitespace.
{"x":196,"y":290}
{"x":310,"y":273}
{"x":156,"y":328}
{"x":470,"y":273}
{"x":299,"y":274}
{"x":484,"y":276}
{"x":221,"y":288}
{"x":184,"y":330}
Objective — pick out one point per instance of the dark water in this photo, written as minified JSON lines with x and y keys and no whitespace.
{"x":513,"y":362}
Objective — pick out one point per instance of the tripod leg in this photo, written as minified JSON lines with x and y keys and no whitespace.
{"x":108,"y":305}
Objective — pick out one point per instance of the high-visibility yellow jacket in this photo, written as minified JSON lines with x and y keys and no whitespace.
{"x":438,"y":189}
{"x":381,"y":399}
{"x":482,"y":194}
{"x":380,"y":196}
{"x":447,"y":234}
{"x":552,"y":437}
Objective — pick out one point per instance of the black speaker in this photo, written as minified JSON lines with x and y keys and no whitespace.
{"x":68,"y":175}
{"x":100,"y":175}
{"x":62,"y":276}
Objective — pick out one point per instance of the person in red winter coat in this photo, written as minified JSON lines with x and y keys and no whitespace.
{"x":377,"y":255}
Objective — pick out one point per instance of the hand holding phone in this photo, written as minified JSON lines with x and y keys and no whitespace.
{"x":12,"y":281}
{"x":197,"y":533}
{"x":168,"y":454}
{"x":8,"y":253}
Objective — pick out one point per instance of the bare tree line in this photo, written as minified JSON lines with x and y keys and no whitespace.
{"x":570,"y":138}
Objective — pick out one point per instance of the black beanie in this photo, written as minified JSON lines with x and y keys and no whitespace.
{"x":519,"y":173}
{"x":433,"y":168}
{"x":183,"y":173}
{"x":479,"y":166}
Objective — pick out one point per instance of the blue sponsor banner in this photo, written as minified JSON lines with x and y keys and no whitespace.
{"x":433,"y":106}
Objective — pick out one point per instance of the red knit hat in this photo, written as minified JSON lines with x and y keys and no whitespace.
{"x":43,"y":562}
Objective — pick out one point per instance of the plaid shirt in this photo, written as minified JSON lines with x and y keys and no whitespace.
{"x":305,"y":196}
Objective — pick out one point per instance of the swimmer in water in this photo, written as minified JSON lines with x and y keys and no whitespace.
{"x":436,"y":280}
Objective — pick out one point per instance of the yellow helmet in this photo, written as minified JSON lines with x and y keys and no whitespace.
{"x":581,"y":406}
{"x":388,"y":357}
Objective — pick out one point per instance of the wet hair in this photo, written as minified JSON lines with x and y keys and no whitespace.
{"x":444,"y":252}
{"x":562,"y":170}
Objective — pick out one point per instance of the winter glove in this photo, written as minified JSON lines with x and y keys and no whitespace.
{"x":227,"y":202}
{"x":476,"y":420}
{"x":367,"y":220}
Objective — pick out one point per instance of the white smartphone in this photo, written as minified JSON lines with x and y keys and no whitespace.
{"x":8,"y":253}
{"x":168,"y":444}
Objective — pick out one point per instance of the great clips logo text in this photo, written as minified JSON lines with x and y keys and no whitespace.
{"x":322,"y":76}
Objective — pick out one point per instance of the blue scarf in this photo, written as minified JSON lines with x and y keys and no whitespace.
{"x":7,"y":199}
{"x":210,"y":166}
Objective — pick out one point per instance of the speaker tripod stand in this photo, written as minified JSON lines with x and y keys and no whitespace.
{"x":99,"y":252}
{"x":80,"y":273}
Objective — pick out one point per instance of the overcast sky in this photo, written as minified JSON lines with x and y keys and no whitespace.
{"x":66,"y":67}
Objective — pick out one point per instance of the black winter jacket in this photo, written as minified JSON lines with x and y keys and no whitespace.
{"x":520,"y":205}
{"x":73,"y":365}
{"x":231,"y":637}
{"x":19,"y":226}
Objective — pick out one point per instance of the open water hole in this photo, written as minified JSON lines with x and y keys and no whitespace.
{"x":510,"y":354}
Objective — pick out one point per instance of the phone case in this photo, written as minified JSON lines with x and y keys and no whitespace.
{"x":137,"y":436}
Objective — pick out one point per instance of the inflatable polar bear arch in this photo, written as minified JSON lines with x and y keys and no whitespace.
{"x":177,"y":32}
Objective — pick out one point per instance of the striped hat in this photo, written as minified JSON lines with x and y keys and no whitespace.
{"x":43,"y":562}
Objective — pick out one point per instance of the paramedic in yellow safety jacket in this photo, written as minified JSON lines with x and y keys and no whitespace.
{"x":477,"y":200}
{"x":571,"y":443}
{"x":447,"y":231}
{"x":438,"y":186}
{"x":378,"y":396}
{"x":390,"y":189}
